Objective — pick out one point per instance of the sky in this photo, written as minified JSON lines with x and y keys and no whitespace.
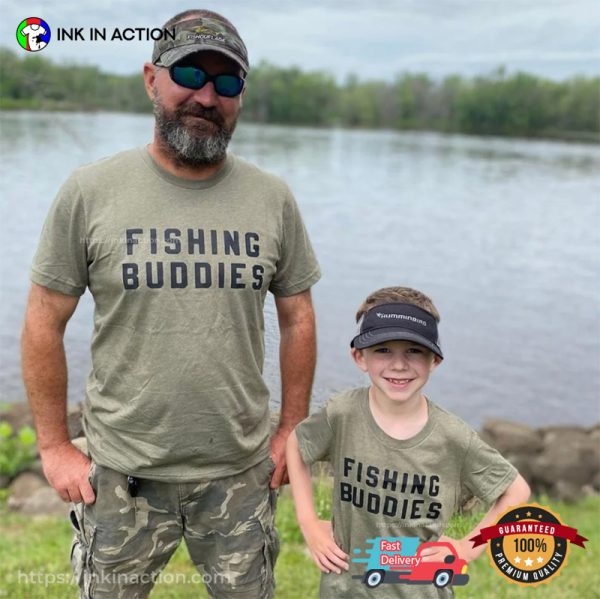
{"x":374,"y":40}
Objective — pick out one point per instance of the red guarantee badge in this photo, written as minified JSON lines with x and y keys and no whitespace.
{"x":529,"y":545}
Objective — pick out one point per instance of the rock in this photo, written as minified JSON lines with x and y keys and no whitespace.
{"x":74,"y":421}
{"x":24,"y":486}
{"x":577,"y":442}
{"x":81,"y":444}
{"x":555,"y":460}
{"x":473,"y":505}
{"x":566,"y":491}
{"x":37,"y":468}
{"x":588,"y":490}
{"x":523,"y":464}
{"x":274,"y":420}
{"x":569,"y":438}
{"x":556,"y":432}
{"x":594,"y":433}
{"x":18,"y":415}
{"x":31,"y":495}
{"x":565,"y":462}
{"x":45,"y":502}
{"x":511,"y":438}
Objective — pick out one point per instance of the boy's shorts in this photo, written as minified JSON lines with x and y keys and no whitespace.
{"x":122,"y":543}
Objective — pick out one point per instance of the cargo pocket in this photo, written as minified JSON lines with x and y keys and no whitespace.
{"x":270,"y":547}
{"x":78,"y":551}
{"x":82,"y":545}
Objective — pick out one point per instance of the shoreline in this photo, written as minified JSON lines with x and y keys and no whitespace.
{"x":583,"y":137}
{"x":560,"y":461}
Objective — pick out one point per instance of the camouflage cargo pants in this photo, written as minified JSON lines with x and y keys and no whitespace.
{"x":122,"y":543}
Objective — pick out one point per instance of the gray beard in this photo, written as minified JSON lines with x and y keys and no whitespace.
{"x":192,"y":146}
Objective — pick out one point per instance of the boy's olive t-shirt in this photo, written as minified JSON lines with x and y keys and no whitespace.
{"x":179,"y":271}
{"x":385,"y":487}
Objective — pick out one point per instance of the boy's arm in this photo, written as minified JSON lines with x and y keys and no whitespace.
{"x":317,"y":533}
{"x":518,"y":492}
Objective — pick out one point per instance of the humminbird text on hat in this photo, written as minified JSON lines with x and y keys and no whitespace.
{"x":122,"y":34}
{"x":206,"y":36}
{"x":402,"y":316}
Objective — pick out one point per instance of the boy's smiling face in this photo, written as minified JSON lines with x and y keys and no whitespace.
{"x":398,"y":369}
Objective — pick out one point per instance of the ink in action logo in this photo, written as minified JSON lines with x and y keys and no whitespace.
{"x":33,"y":34}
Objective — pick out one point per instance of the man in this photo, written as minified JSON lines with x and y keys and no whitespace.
{"x":178,"y":243}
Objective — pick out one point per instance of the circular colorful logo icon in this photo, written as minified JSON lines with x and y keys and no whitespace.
{"x":528,"y":544}
{"x":33,"y":34}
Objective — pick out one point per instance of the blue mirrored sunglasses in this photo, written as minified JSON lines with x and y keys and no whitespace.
{"x":195,"y":78}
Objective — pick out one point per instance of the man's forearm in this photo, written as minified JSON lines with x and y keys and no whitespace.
{"x":45,"y":376}
{"x":297,"y":356}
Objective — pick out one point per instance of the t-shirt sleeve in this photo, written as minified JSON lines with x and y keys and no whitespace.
{"x":485,"y":473}
{"x":315,"y":437}
{"x":297,"y":267}
{"x":60,"y":262}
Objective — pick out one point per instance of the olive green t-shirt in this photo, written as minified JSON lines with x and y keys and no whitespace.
{"x":385,"y":487}
{"x":179,"y":271}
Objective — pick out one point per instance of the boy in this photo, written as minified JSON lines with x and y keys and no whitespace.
{"x":401,"y":463}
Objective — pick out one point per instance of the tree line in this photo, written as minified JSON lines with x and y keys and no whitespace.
{"x":499,"y":103}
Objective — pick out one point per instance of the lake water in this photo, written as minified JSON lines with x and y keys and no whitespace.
{"x":502,"y":234}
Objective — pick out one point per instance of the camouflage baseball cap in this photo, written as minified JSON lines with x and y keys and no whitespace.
{"x":196,"y":35}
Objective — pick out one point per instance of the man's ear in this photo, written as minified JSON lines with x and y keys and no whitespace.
{"x":149,"y":78}
{"x":358,"y":358}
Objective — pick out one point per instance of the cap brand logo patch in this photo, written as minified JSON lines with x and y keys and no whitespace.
{"x":205,"y":33}
{"x":205,"y":36}
{"x":402,"y":317}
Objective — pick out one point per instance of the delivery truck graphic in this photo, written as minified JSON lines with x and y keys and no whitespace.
{"x":395,"y":560}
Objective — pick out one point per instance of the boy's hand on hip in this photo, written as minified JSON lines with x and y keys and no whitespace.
{"x":67,"y":470}
{"x":437,"y":554}
{"x":323,"y":548}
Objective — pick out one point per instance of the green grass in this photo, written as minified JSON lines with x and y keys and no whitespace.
{"x":40,"y":546}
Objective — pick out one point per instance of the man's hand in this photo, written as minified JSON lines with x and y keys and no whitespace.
{"x":323,"y":548}
{"x":280,"y":475}
{"x":67,"y":470}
